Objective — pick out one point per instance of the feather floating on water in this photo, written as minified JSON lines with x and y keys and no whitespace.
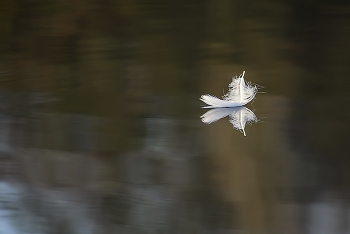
{"x":238,"y":117}
{"x":240,"y":93}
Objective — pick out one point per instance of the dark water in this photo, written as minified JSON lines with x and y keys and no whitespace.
{"x":100,"y":128}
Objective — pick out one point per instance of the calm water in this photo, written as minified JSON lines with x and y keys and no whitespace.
{"x":100,"y":128}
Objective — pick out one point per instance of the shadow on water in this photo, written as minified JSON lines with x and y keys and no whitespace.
{"x":239,"y":117}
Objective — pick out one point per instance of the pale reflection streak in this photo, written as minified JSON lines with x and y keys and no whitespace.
{"x":238,"y":117}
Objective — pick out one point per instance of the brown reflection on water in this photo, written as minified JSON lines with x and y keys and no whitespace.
{"x":252,"y":171}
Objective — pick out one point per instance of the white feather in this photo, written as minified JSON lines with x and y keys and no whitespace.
{"x":240,"y":93}
{"x":238,"y":117}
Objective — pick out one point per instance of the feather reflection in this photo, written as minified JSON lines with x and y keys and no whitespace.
{"x":238,"y":117}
